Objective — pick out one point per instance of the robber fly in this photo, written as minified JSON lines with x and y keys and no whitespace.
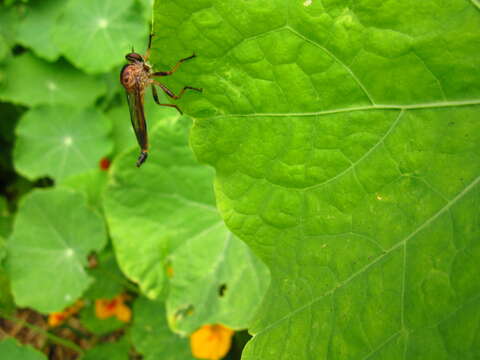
{"x":135,"y":77}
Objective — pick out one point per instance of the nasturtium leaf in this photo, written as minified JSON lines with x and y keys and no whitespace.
{"x":60,"y":141}
{"x":96,"y":35}
{"x":31,"y":81}
{"x":346,"y":143}
{"x":13,"y":350}
{"x":164,"y":223}
{"x":214,"y":282}
{"x":53,"y":233}
{"x":36,"y":27}
{"x":151,"y":335}
{"x":109,"y":351}
{"x":90,"y":183}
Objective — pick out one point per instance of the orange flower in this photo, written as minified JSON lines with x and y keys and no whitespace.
{"x":211,"y":342}
{"x":57,"y":318}
{"x":105,"y":308}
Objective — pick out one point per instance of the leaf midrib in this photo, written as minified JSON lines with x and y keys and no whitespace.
{"x":433,"y":105}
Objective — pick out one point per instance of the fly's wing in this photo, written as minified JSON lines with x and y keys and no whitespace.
{"x":137,"y":116}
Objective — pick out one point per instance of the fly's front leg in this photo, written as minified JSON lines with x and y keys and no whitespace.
{"x":170,"y":92}
{"x":147,"y":53}
{"x":175,"y":68}
{"x":155,"y":97}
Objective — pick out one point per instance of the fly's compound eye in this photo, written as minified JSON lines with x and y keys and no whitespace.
{"x":134,"y":57}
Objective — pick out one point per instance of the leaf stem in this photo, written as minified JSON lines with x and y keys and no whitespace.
{"x":49,"y":335}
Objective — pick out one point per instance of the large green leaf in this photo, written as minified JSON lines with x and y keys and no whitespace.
{"x":53,"y":233}
{"x":163,"y":220}
{"x":30,"y":81}
{"x":345,"y":139}
{"x":96,"y":35}
{"x":60,"y":141}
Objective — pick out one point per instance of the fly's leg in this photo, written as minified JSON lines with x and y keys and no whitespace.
{"x":175,"y":68}
{"x":147,"y":53}
{"x":155,"y":97}
{"x":170,"y":92}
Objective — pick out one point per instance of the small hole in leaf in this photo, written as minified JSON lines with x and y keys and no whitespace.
{"x":221,"y":290}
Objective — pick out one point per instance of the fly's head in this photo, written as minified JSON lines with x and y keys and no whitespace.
{"x":134,"y":57}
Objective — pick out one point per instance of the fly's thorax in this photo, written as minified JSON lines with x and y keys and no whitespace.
{"x":132,"y":74}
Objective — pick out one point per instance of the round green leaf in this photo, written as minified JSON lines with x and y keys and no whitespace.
{"x":53,"y":233}
{"x":163,"y":220}
{"x":60,"y":141}
{"x":90,"y":183}
{"x":30,"y":81}
{"x":36,"y":27}
{"x":12,"y":350}
{"x":96,"y":35}
{"x":345,"y":139}
{"x":151,"y":335}
{"x":216,"y":280}
{"x":151,"y":211}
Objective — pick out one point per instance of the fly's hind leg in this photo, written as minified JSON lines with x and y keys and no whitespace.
{"x":170,"y":92}
{"x":175,"y":68}
{"x":155,"y":97}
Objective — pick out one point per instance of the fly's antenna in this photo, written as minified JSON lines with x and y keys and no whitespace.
{"x":133,"y":50}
